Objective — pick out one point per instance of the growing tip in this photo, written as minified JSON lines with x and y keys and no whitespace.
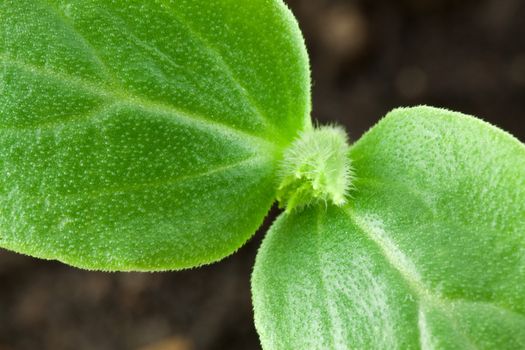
{"x":315,"y":169}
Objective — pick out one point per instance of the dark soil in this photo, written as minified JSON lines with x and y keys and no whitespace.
{"x":367,"y":58}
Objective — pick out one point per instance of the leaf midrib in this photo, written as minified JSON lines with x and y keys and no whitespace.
{"x":413,"y":280}
{"x":169,"y":181}
{"x":322,"y":279}
{"x":122,"y":97}
{"x":230,"y":73}
{"x":250,"y":161}
{"x":227,"y":70}
{"x":408,"y":274}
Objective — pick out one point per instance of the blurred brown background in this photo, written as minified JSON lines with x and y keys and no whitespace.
{"x":367,"y":57}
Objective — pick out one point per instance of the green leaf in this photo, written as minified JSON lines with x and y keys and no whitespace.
{"x":429,"y":253}
{"x":144,"y":135}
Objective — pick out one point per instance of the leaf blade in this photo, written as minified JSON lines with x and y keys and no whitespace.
{"x":414,"y":261}
{"x":130,"y":141}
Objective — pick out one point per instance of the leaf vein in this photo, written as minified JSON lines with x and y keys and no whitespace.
{"x":322,"y":280}
{"x":90,"y":49}
{"x":214,"y":52}
{"x":135,"y":101}
{"x":166,"y":182}
{"x":407,"y":270}
{"x":67,"y":120}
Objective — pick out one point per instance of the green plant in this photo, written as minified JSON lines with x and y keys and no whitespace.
{"x":155,"y":135}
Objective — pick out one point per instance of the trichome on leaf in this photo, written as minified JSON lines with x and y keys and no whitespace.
{"x":155,"y":135}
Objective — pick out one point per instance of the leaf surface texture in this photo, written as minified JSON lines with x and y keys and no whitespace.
{"x":144,"y":135}
{"x":429,"y":253}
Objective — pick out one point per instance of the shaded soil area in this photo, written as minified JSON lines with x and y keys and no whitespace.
{"x":367,"y":58}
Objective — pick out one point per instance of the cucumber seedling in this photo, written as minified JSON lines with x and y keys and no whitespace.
{"x":156,"y":135}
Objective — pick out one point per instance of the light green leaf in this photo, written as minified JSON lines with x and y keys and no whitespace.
{"x":429,"y":253}
{"x":144,"y":135}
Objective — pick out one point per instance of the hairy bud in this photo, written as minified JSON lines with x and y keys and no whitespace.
{"x":315,"y":168}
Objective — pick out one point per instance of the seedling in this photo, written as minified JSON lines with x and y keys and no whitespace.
{"x":155,"y":135}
